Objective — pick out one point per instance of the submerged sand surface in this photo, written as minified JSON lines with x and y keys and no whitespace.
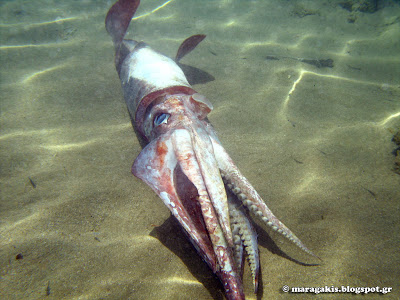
{"x":315,"y":142}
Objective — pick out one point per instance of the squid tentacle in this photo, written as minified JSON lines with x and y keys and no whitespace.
{"x":246,"y":193}
{"x":188,"y":161}
{"x":204,"y":152}
{"x":237,"y":240}
{"x":190,"y":167}
{"x":247,"y":238}
{"x":250,"y":198}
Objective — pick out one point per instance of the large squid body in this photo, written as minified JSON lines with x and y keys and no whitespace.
{"x":183,"y":160}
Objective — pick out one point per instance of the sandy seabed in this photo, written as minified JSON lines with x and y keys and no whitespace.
{"x":314,"y":140}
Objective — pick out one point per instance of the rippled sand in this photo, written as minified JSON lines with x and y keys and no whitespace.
{"x":315,"y":142}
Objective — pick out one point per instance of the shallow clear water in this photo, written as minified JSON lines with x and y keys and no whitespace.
{"x":315,"y":142}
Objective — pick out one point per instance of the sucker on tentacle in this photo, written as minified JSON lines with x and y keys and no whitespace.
{"x":246,"y":238}
{"x":237,"y":242}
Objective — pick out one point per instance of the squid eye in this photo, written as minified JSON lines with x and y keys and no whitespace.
{"x":161,"y":119}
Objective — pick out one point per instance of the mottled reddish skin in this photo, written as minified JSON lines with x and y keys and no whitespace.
{"x":162,"y":150}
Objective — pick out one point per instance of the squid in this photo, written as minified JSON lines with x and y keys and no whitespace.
{"x":183,"y":160}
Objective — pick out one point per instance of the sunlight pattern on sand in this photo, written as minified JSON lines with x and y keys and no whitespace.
{"x":179,"y":280}
{"x":390,"y":118}
{"x":30,"y":25}
{"x":153,"y":11}
{"x":304,"y":73}
{"x":45,"y":45}
{"x":35,"y":75}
